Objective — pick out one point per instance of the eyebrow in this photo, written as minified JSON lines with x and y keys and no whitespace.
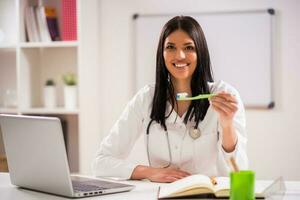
{"x":170,"y":43}
{"x":188,"y":43}
{"x":185,"y":44}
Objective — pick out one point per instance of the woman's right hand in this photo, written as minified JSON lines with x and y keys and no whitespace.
{"x":166,"y":175}
{"x":162,"y":175}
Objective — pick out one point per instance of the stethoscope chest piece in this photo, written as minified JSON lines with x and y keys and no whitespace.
{"x":195,"y":133}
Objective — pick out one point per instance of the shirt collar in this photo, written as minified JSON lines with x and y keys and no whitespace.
{"x":173,"y":117}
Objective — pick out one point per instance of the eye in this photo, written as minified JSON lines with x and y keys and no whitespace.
{"x":190,"y":48}
{"x":170,"y":47}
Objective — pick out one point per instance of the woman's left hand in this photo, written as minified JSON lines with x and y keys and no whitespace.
{"x":226,"y":105}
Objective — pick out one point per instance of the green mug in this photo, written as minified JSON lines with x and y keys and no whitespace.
{"x":242,"y":184}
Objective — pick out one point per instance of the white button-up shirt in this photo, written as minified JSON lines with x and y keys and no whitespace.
{"x":204,"y":155}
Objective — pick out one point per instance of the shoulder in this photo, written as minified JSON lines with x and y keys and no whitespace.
{"x":144,"y":96}
{"x":219,"y":86}
{"x":146,"y":92}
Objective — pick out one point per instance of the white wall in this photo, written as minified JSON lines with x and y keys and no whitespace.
{"x":274,"y":137}
{"x":89,"y":77}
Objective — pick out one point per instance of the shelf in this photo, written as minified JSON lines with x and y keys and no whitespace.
{"x":9,"y":110}
{"x":26,"y":66}
{"x":59,"y":111}
{"x":8,"y":46}
{"x":48,"y":44}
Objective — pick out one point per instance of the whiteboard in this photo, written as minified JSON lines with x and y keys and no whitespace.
{"x":240,"y":47}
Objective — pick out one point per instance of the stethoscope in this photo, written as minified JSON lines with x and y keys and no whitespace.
{"x":194,"y":133}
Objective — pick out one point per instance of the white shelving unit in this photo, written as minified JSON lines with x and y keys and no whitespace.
{"x":59,"y":111}
{"x":59,"y":44}
{"x":9,"y":110}
{"x":7,"y":46}
{"x":25,"y":67}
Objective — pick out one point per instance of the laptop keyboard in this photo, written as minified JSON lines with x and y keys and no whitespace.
{"x":86,"y":186}
{"x":94,"y":185}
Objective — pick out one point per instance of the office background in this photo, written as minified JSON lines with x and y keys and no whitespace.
{"x":107,"y":82}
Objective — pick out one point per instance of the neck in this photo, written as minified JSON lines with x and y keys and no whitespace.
{"x":182,"y":86}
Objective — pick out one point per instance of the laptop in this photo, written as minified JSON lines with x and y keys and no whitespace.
{"x":37,"y":159}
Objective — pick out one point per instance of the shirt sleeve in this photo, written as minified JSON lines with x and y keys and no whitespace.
{"x":111,"y":157}
{"x":239,"y":153}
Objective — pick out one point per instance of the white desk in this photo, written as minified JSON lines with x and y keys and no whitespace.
{"x":144,"y":191}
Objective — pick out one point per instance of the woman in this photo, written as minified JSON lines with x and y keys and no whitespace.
{"x":182,"y":137}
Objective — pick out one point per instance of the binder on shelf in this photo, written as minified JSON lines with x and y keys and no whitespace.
{"x":31,"y":26}
{"x":69,"y":20}
{"x":52,"y":23}
{"x":42,"y":24}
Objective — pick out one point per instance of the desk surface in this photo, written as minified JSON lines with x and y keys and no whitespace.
{"x":144,"y":190}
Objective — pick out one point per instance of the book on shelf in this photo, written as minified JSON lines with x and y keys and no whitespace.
{"x":69,"y":20}
{"x":31,"y":25}
{"x":41,"y":24}
{"x":201,"y":186}
{"x":52,"y":23}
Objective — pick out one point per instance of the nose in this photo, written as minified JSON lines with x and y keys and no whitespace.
{"x":180,"y":54}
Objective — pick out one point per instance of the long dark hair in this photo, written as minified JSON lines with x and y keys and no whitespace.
{"x":164,"y":90}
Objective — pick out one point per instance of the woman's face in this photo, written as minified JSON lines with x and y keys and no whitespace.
{"x":180,"y":55}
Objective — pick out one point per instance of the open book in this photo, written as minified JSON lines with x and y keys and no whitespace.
{"x":199,"y":185}
{"x":202,"y":186}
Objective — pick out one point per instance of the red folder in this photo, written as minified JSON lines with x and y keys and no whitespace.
{"x":69,"y":20}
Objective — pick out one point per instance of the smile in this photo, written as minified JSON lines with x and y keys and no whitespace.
{"x":180,"y":65}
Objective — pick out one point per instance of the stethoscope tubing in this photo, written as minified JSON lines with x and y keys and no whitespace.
{"x":169,"y":146}
{"x":168,"y":142}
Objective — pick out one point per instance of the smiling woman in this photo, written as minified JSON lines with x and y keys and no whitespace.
{"x":180,"y":56}
{"x":182,"y":42}
{"x":180,"y":59}
{"x":182,"y":137}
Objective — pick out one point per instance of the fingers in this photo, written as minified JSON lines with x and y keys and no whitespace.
{"x":225,"y":108}
{"x":175,"y":174}
{"x":178,"y":175}
{"x":182,"y":173}
{"x":219,"y":110}
{"x":227,"y":96}
{"x":224,"y":103}
{"x":169,"y":179}
{"x":167,"y":175}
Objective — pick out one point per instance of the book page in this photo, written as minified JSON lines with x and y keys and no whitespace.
{"x":185,"y":184}
{"x":222,"y":188}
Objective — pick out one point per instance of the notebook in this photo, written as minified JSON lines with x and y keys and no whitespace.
{"x":37,"y":159}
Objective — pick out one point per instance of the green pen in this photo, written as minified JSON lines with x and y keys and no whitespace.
{"x":183,"y":96}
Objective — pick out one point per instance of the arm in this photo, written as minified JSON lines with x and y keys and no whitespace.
{"x":111,"y":157}
{"x":226,"y":105}
{"x":164,"y":175}
{"x":232,"y":142}
{"x":115,"y":148}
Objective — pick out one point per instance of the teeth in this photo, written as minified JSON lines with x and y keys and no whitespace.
{"x":180,"y":65}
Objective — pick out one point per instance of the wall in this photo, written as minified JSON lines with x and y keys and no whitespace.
{"x":273,"y":134}
{"x":89,"y":77}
